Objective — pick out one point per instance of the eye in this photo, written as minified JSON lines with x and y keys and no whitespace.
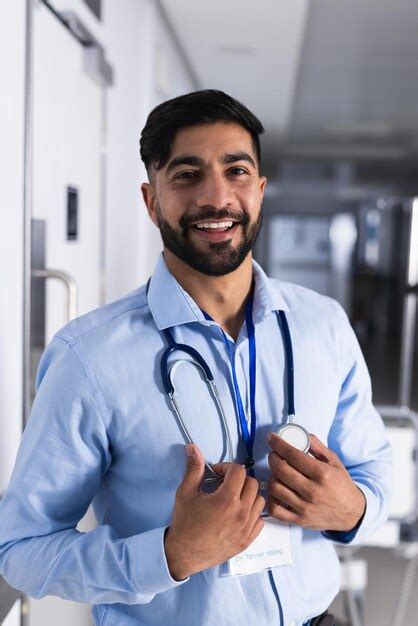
{"x":237,"y":171}
{"x":186,"y":175}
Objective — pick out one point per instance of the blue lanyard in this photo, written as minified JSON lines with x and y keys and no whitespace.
{"x":248,"y":435}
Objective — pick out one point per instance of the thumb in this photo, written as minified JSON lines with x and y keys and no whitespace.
{"x":195,"y":469}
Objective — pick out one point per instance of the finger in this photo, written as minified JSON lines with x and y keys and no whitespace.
{"x":257,"y":508}
{"x":321,"y":452}
{"x":281,"y":513}
{"x":234,"y":477}
{"x":257,"y":528}
{"x":195,"y":470}
{"x":249,"y":491}
{"x":222,"y":468}
{"x":282,"y":493}
{"x":296,"y":458}
{"x":289,"y":475}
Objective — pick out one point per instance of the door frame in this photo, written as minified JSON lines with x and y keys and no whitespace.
{"x":101,"y":71}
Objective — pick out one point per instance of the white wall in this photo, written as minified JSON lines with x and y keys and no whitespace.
{"x":149,"y":70}
{"x":170,"y":78}
{"x":129,"y":45}
{"x":12,"y":46}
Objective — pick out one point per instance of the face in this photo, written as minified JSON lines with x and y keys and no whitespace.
{"x":206,"y":200}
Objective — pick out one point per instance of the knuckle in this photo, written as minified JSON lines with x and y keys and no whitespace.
{"x":251,"y":486}
{"x":224,"y":501}
{"x":325,"y":473}
{"x":292,"y":455}
{"x":237,"y":471}
{"x":233,"y":501}
{"x":274,"y":462}
{"x":252,"y":482}
{"x":334,"y":456}
{"x":243,"y":543}
{"x":261,"y":524}
{"x":271,"y":482}
{"x":271,"y":457}
{"x":272,"y":507}
{"x":275,"y":488}
{"x":303,"y":509}
{"x":228,"y":504}
{"x":260,"y":502}
{"x":241,"y":515}
{"x":313,"y":495}
{"x":180,"y":493}
{"x":240,"y":470}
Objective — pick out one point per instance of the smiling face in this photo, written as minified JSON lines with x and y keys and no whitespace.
{"x":206,"y":200}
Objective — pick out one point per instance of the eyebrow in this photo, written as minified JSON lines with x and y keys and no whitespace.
{"x":190,"y":159}
{"x":184,"y":159}
{"x":238,"y":156}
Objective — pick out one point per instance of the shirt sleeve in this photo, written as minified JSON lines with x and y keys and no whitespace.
{"x":358,"y":437}
{"x":63,"y":455}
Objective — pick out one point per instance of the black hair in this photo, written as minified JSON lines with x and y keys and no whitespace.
{"x":199,"y":107}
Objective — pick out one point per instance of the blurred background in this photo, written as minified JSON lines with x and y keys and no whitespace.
{"x":335,"y":84}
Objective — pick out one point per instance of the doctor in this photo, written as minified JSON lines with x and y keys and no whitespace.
{"x":102,"y":430}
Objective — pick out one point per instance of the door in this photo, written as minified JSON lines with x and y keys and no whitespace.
{"x":67,"y":232}
{"x":67,"y":120}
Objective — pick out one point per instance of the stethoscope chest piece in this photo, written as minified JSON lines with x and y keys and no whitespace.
{"x":295,"y":435}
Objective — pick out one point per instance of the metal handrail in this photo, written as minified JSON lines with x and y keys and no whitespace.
{"x":69,"y":283}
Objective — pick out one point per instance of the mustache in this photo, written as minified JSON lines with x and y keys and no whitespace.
{"x":210,"y":214}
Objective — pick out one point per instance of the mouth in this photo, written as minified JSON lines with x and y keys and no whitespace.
{"x":215,"y":231}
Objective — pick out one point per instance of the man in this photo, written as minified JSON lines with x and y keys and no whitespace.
{"x":102,"y":428}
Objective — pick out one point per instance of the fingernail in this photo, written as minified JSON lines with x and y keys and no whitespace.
{"x":270,"y":437}
{"x":189,"y":449}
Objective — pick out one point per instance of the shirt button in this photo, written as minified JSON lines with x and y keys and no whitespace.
{"x":263,"y":485}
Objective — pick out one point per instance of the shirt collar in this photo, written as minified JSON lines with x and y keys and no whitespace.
{"x":171,"y":305}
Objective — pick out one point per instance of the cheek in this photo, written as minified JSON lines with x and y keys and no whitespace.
{"x":248,"y":195}
{"x":174,"y":203}
{"x":164,"y":211}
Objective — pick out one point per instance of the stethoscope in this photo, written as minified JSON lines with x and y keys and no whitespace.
{"x":290,"y":431}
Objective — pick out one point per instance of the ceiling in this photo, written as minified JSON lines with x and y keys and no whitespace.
{"x":249,"y":49}
{"x":358,"y":75}
{"x":326,"y":77}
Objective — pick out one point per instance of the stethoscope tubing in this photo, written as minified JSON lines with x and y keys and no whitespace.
{"x":173,"y":346}
{"x":214,"y":390}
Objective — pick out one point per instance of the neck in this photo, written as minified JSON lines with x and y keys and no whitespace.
{"x":222,"y":297}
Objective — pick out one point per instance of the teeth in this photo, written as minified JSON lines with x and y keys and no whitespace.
{"x":215,"y":225}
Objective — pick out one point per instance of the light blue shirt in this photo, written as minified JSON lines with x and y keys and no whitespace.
{"x":101,"y":429}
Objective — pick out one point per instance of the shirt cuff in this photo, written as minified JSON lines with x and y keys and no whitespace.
{"x":149,"y":563}
{"x":363,"y":526}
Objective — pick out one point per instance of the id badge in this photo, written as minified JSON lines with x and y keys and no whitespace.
{"x":270,"y":549}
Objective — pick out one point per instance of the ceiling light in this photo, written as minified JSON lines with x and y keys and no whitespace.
{"x":237,"y":49}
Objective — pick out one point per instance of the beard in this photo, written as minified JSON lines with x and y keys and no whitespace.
{"x":219,"y":258}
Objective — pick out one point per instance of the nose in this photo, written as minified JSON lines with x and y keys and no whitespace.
{"x":214,"y":190}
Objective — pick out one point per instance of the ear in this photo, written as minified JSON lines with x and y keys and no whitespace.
{"x":263,"y":182}
{"x":148,"y":194}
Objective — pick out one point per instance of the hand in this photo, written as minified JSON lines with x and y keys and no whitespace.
{"x":318,"y":492}
{"x":209,"y":528}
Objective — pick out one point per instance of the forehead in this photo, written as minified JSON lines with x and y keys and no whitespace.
{"x":211,"y":140}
